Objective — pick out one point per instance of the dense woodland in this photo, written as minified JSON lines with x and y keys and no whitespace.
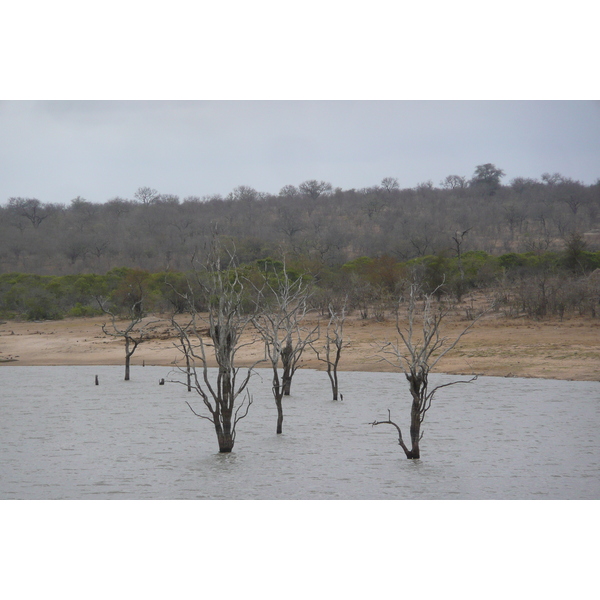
{"x":534,"y":243}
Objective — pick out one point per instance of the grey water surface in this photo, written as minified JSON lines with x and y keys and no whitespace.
{"x":62,"y":437}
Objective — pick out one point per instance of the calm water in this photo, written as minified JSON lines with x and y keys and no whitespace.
{"x":62,"y":437}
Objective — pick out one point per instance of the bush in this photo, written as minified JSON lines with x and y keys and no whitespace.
{"x":41,"y":305}
{"x":80,"y":310}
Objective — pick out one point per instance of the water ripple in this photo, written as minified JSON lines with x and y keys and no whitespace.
{"x":61,"y":437}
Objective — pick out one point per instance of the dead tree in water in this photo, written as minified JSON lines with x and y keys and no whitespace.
{"x":185,"y":348}
{"x":334,"y":344}
{"x":282,"y":303}
{"x":134,"y":332}
{"x":226,"y":323}
{"x":417,"y":355}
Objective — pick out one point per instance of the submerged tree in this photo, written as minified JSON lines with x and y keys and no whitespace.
{"x":417,"y":355}
{"x":331,"y":352}
{"x":134,"y":332}
{"x":282,"y":303}
{"x":225,"y":323}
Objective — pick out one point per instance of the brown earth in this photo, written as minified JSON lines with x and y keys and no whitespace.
{"x":496,"y":346}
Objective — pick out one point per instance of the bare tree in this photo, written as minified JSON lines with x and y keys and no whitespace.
{"x":573,"y":202}
{"x":390,"y":184}
{"x":289,"y":191}
{"x":289,"y":221}
{"x":244,"y":193}
{"x":374,"y":205}
{"x":146,"y":195}
{"x":417,"y":355}
{"x":421,"y":243}
{"x":314,"y":188}
{"x":553,"y":179}
{"x":283,"y":303}
{"x":134,"y":332}
{"x":334,"y":344}
{"x":226,"y":323}
{"x":454,"y":182}
{"x":186,"y":348}
{"x":30,"y":208}
{"x":458,"y":238}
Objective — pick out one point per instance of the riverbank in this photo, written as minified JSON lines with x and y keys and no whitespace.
{"x":495,"y":346}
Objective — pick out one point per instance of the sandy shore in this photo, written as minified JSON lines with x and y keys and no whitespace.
{"x":495,"y":346}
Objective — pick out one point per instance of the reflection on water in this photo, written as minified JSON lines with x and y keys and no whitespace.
{"x":63,"y":437}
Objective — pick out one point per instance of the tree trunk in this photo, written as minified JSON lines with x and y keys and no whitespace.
{"x":286,"y":361}
{"x":129,"y":354}
{"x":279,"y":415}
{"x":415,"y":433}
{"x":224,"y":433}
{"x":334,"y":387}
{"x":332,"y":373}
{"x":189,"y":372}
{"x":225,"y":442}
{"x":127,"y":360}
{"x":278,"y":395}
{"x":287,"y":385}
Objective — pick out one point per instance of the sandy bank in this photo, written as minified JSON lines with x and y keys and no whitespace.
{"x":495,"y":346}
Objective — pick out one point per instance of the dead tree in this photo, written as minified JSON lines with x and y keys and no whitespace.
{"x":331,"y":353}
{"x":458,"y":238}
{"x":416,"y":355}
{"x":183,"y":345}
{"x":282,"y":304}
{"x":134,"y":332}
{"x":226,"y":323}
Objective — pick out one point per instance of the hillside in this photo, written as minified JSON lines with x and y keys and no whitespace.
{"x":315,"y":223}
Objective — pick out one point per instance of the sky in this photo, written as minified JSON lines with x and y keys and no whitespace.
{"x":58,"y":150}
{"x":197,"y":100}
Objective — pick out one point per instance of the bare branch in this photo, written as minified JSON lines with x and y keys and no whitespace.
{"x":281,"y":305}
{"x":417,"y":355}
{"x":225,"y":323}
{"x":390,"y":422}
{"x":197,"y":414}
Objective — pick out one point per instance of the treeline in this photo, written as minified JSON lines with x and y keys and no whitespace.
{"x":536,"y":284}
{"x":313,"y":223}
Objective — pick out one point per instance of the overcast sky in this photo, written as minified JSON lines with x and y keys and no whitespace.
{"x":57,"y":150}
{"x":314,"y":90}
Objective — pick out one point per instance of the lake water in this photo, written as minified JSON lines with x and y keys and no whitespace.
{"x":62,"y":437}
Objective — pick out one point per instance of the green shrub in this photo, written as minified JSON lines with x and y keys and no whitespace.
{"x":40,"y":305}
{"x":81,"y":310}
